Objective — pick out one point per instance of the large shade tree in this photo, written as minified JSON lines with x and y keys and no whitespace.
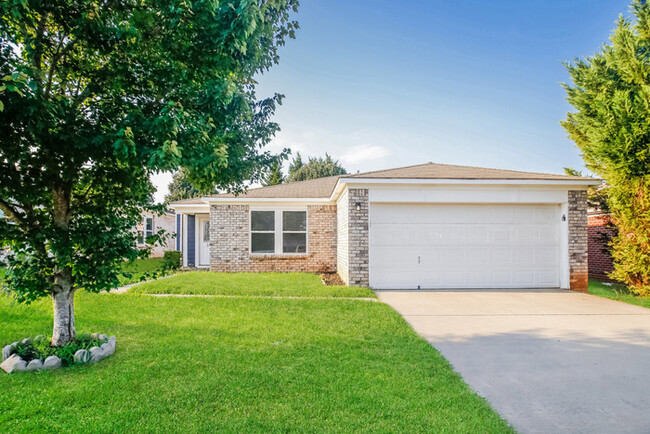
{"x":611,"y":95}
{"x":96,"y":95}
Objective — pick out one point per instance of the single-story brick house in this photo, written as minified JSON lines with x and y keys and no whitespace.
{"x":424,"y":226}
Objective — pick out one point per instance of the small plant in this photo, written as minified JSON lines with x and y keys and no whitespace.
{"x":41,"y":348}
{"x":172,"y":260}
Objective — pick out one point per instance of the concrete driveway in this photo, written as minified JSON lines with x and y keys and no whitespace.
{"x":547,"y":360}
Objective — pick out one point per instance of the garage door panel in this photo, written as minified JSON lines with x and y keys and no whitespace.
{"x":501,"y":257}
{"x":548,"y":255}
{"x":476,"y":279}
{"x":524,"y":277}
{"x":547,"y":278}
{"x":393,"y":280}
{"x":464,"y":246}
{"x":548,"y":234}
{"x":501,"y":278}
{"x":395,"y":258}
{"x":395,"y":235}
{"x":545,"y":214}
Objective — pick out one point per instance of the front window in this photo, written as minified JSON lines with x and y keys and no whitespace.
{"x":294,"y":231}
{"x":148,"y":227}
{"x":279,"y":231}
{"x":147,"y":230}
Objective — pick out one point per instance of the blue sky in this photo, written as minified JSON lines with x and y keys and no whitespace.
{"x":381,"y":84}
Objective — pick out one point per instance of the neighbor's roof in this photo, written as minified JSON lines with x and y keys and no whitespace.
{"x":323,"y":187}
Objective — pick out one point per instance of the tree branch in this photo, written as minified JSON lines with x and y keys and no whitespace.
{"x":12,"y":213}
{"x":38,"y":43}
{"x":55,"y":60}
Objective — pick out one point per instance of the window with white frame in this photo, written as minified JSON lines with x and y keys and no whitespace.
{"x":279,"y":231}
{"x":143,"y":235}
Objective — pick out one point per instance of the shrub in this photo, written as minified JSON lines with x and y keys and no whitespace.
{"x":172,"y":259}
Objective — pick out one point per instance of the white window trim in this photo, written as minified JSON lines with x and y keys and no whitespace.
{"x":144,"y":230}
{"x":278,"y":232}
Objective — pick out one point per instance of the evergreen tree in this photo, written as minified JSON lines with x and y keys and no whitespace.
{"x":611,"y":94}
{"x":315,"y":168}
{"x":275,"y":175}
{"x":295,"y":164}
{"x":596,"y":195}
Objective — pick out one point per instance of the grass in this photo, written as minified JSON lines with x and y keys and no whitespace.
{"x":265,"y":284}
{"x":240,"y":365}
{"x":617,"y":292}
{"x":139,"y":268}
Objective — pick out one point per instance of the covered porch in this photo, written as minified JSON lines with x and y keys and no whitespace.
{"x":193,"y":234}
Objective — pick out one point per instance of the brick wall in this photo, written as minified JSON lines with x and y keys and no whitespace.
{"x":578,"y":241}
{"x":358,"y":237}
{"x":600,"y":262}
{"x":342,"y":252}
{"x":229,"y":242}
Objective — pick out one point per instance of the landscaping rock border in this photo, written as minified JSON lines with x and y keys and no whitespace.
{"x":14,"y":363}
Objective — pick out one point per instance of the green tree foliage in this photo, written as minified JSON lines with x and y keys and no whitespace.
{"x":314,"y":168}
{"x":596,"y":195}
{"x":182,"y":187}
{"x":611,"y":94}
{"x":95,"y":96}
{"x":275,"y":176}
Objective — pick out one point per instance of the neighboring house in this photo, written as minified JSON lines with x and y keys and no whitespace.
{"x":151,"y":224}
{"x":600,"y":231}
{"x":424,"y":226}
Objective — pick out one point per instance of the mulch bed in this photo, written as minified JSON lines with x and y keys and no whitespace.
{"x":332,"y":279}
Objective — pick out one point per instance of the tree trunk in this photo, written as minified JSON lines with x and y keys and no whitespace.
{"x":64,"y":330}
{"x":63,"y":289}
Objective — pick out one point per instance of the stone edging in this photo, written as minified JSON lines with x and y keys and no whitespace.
{"x":14,"y":363}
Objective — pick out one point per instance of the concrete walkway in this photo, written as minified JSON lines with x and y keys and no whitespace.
{"x":548,"y":361}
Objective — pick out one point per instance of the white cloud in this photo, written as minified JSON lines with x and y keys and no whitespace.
{"x":361,"y":154}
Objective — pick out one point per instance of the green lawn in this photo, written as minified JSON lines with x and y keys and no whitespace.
{"x":240,"y":365}
{"x":617,"y":292}
{"x":139,"y":268}
{"x":269,"y":284}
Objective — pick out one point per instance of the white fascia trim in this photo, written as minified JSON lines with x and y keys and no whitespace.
{"x":343,"y":182}
{"x":246,"y":200}
{"x":469,"y":181}
{"x":183,"y":206}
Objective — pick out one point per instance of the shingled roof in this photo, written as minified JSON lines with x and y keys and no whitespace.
{"x":323,"y":187}
{"x":448,"y":171}
{"x":312,"y":188}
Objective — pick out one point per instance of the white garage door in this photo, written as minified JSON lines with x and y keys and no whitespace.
{"x":464,"y":246}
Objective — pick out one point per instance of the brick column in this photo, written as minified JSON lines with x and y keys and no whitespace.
{"x":229,"y":238}
{"x":358,"y":237}
{"x":578,"y":241}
